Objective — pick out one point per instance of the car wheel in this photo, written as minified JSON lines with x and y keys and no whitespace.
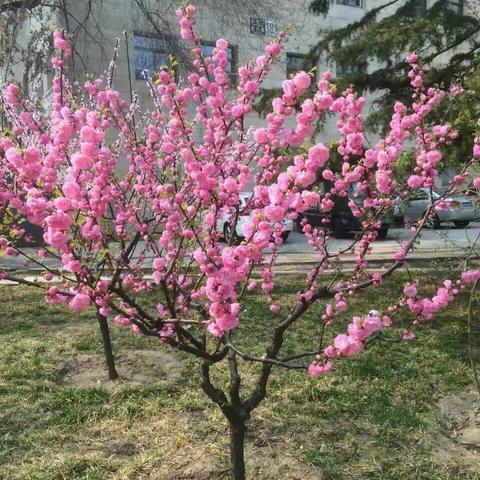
{"x":461,"y":223}
{"x":298,"y":223}
{"x":382,"y":234}
{"x":433,"y":220}
{"x":337,"y":228}
{"x":285,"y":236}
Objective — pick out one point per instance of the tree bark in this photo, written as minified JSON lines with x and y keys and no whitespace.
{"x":107,"y":347}
{"x":237,"y":447}
{"x":234,"y":411}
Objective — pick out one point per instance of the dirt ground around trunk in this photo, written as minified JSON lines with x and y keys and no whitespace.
{"x":455,"y":443}
{"x":460,"y":442}
{"x":135,"y":368}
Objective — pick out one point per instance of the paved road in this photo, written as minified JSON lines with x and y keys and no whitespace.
{"x":297,"y":250}
{"x":444,"y":238}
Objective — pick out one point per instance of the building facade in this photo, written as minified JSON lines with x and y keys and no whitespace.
{"x":247,"y":31}
{"x":146,"y":33}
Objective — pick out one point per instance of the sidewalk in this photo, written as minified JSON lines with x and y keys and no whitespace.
{"x":428,"y":254}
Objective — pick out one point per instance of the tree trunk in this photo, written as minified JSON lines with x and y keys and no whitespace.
{"x":237,"y":447}
{"x":107,"y":347}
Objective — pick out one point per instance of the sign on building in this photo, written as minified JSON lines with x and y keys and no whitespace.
{"x":261,"y":26}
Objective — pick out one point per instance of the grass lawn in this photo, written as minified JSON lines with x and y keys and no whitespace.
{"x":376,"y":417}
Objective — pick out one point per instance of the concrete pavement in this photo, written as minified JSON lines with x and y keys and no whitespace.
{"x":444,"y":243}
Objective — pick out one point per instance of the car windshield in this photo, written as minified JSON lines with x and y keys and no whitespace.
{"x":435,"y":194}
{"x":355,"y":192}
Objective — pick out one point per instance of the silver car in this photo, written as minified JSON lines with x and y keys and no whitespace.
{"x":461,"y":210}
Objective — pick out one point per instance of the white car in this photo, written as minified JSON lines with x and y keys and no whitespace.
{"x":461,"y":210}
{"x":223,"y":224}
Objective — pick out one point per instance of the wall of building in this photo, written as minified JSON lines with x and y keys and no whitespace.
{"x":96,"y":37}
{"x":115,"y":17}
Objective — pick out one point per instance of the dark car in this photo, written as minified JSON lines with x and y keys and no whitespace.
{"x":33,"y":233}
{"x":342,"y":221}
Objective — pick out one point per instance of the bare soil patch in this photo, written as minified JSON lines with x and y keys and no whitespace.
{"x":460,"y":443}
{"x":134,"y":367}
{"x":261,"y":463}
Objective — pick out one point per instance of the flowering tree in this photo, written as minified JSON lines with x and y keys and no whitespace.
{"x":58,"y":169}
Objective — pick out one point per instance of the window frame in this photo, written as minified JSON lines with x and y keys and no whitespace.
{"x":299,"y":55}
{"x":349,"y":3}
{"x":417,"y":10}
{"x":152,"y":36}
{"x":234,"y":60}
{"x":458,"y":6}
{"x":361,"y":68}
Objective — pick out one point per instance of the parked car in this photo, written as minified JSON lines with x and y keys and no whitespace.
{"x":342,"y":221}
{"x":461,"y":209}
{"x":33,"y":233}
{"x":474,"y":195}
{"x":224,"y":226}
{"x":397,"y":214}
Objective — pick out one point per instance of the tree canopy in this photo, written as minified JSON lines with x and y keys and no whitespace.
{"x":373,"y":50}
{"x":444,"y":35}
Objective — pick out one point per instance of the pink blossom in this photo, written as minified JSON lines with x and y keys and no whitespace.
{"x":347,"y":345}
{"x":251,"y":86}
{"x":328,"y":175}
{"x":222,"y":44}
{"x":377,"y":277}
{"x":410,"y":290}
{"x":60,"y":43}
{"x":288,"y":88}
{"x":79,"y":302}
{"x":408,"y":335}
{"x":273,"y":49}
{"x":72,"y":190}
{"x":260,"y":135}
{"x":470,"y":276}
{"x":119,"y":320}
{"x":412,"y":58}
{"x":302,"y":81}
{"x":11,"y":95}
{"x":476,"y":150}
{"x":275,"y":213}
{"x":317,"y":156}
{"x":59,"y":221}
{"x":136,"y":329}
{"x":167,"y":331}
{"x":316,"y":369}
{"x":415,"y":181}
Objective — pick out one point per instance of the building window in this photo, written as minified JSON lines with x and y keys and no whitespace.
{"x":416,"y":8}
{"x":350,"y":3}
{"x":456,"y":6}
{"x":420,"y":8}
{"x":207,"y":51}
{"x":151,"y":54}
{"x":342,"y":71}
{"x":295,"y":63}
